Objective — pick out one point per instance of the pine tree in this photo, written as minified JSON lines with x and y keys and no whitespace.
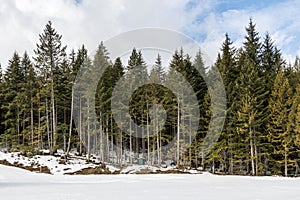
{"x":278,"y":129}
{"x":49,"y":56}
{"x":28,"y":95}
{"x":1,"y":105}
{"x":294,"y":126}
{"x":251,"y":113}
{"x":180,"y":76}
{"x":252,"y":98}
{"x":100,"y":63}
{"x":226,"y":64}
{"x":136,"y":76}
{"x":159,"y":69}
{"x":252,"y":44}
{"x":13,"y":80}
{"x":76,"y":64}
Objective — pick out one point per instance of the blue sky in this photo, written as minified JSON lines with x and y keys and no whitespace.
{"x":224,"y":5}
{"x":279,"y":18}
{"x":91,"y":21}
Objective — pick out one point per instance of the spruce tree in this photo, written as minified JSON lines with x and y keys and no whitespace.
{"x":49,"y":56}
{"x":279,"y":132}
{"x":13,"y":80}
{"x":226,"y":64}
{"x":1,"y":105}
{"x":28,"y":95}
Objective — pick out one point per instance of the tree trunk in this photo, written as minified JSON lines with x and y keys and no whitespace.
{"x":80,"y":128}
{"x":213,"y":166}
{"x":148,"y":137}
{"x":178,"y":135}
{"x":112,"y":135}
{"x":157,"y":134}
{"x":64,"y":131}
{"x":18,"y":126}
{"x":88,"y":131}
{"x":107,"y":140}
{"x":40,"y":144}
{"x":71,"y":124}
{"x":53,"y":115}
{"x":121,"y":147}
{"x":256,"y":158}
{"x":190,"y":141}
{"x":48,"y":128}
{"x":252,"y":152}
{"x":31,"y":121}
{"x":101,"y":138}
{"x":285,"y":162}
{"x":130,"y":143}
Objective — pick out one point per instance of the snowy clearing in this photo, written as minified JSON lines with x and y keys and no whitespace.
{"x":19,"y":184}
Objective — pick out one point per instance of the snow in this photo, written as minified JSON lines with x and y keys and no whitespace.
{"x":76,"y":163}
{"x":139,"y":168}
{"x":16,"y":184}
{"x":52,"y":162}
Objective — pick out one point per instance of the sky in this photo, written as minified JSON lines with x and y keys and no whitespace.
{"x":91,"y":21}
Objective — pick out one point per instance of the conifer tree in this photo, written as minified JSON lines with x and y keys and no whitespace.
{"x":278,"y":127}
{"x":13,"y":80}
{"x":1,"y":104}
{"x":49,"y":56}
{"x":28,"y":94}
{"x":226,"y":64}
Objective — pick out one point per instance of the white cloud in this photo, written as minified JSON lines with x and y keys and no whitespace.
{"x":91,"y":21}
{"x":86,"y":23}
{"x":281,"y":20}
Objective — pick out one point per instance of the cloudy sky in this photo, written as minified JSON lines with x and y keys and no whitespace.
{"x":90,"y":21}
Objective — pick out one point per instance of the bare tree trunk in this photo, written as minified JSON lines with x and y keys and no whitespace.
{"x":130,"y":143}
{"x":88,"y":131}
{"x":107,"y":140}
{"x":285,"y":162}
{"x":71,"y":124}
{"x":23,"y":127}
{"x":178,"y":135}
{"x":64,"y":131}
{"x":202,"y":159}
{"x":80,"y":128}
{"x":148,"y":137}
{"x":112,"y":135}
{"x":157,"y":135}
{"x":121,"y":146}
{"x":143,"y":139}
{"x":31,"y":121}
{"x":256,"y":158}
{"x":101,"y":139}
{"x":252,"y":152}
{"x":48,"y":128}
{"x":136,"y":142}
{"x":53,"y":115}
{"x":190,"y":141}
{"x":40,"y":144}
{"x":18,"y":126}
{"x":159,"y":147}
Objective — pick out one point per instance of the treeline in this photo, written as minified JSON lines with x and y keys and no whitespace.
{"x":261,"y":134}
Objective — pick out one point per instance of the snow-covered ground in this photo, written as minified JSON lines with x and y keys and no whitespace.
{"x":20,"y":184}
{"x":59,"y":166}
{"x":53,"y":163}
